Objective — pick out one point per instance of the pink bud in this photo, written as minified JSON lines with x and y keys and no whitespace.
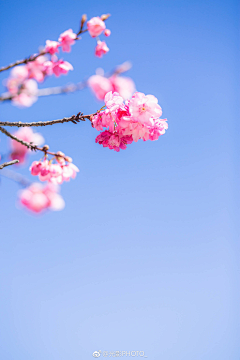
{"x":101,"y":48}
{"x":107,"y":32}
{"x":95,"y":26}
{"x":35,"y":168}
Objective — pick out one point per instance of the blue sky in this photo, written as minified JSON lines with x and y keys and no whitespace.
{"x":145,"y":255}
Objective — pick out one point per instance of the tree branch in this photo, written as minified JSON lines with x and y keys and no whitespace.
{"x":24,"y":61}
{"x":74,"y":119}
{"x":35,"y":56}
{"x":34,"y":147}
{"x":70,"y":88}
{"x":8,"y":163}
{"x":12,"y":175}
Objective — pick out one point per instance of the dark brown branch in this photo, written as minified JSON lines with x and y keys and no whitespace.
{"x":34,"y":147}
{"x":8,"y":163}
{"x":24,"y":61}
{"x":74,"y":119}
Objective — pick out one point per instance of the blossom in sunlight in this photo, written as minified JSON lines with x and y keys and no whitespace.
{"x":144,"y":108}
{"x":52,"y":47}
{"x":66,"y":39}
{"x":114,"y":140}
{"x":101,"y":48}
{"x":55,"y":173}
{"x":123,"y":85}
{"x":36,"y":69}
{"x":61,"y":67}
{"x":101,"y":85}
{"x":20,"y":151}
{"x":38,"y":198}
{"x":96,"y":26}
{"x":107,"y":32}
{"x":137,"y":118}
{"x":28,"y":94}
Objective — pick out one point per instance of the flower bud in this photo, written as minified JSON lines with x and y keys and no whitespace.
{"x":83,"y":20}
{"x":68,"y":159}
{"x":60,"y":153}
{"x":105,"y":17}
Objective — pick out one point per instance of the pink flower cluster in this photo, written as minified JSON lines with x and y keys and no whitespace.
{"x":95,"y":28}
{"x":137,"y":118}
{"x":101,"y":85}
{"x":65,"y":41}
{"x":54,"y":173}
{"x":22,"y":83}
{"x":20,"y":151}
{"x":38,"y":198}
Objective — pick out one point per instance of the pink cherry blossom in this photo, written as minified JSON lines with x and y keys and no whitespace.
{"x":68,"y":171}
{"x":113,"y":141}
{"x":20,"y":151}
{"x":144,"y":107}
{"x":101,"y":48}
{"x":125,"y":121}
{"x":13,"y":85}
{"x":48,"y":68}
{"x":52,"y":47}
{"x":27,"y":95}
{"x":107,"y":32}
{"x":100,"y":86}
{"x":123,"y":85}
{"x":54,"y":173}
{"x":96,"y":26}
{"x":61,"y":67}
{"x":66,"y":39}
{"x":20,"y":72}
{"x":35,"y":168}
{"x":38,"y":198}
{"x":113,"y":100}
{"x":36,"y":69}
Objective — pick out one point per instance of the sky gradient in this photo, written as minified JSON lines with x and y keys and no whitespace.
{"x":145,"y":256}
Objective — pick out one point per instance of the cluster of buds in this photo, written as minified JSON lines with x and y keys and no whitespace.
{"x":22,"y":83}
{"x":62,"y":170}
{"x":96,"y":26}
{"x":37,"y":197}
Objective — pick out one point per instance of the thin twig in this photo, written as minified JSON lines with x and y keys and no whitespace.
{"x":70,"y":88}
{"x":34,"y":147}
{"x":74,"y":119}
{"x":24,"y":61}
{"x":12,"y":175}
{"x":8,"y":163}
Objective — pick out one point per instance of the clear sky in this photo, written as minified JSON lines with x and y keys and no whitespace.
{"x":145,"y":256}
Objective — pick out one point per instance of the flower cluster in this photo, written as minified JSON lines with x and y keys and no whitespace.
{"x":38,"y":198}
{"x":101,"y":85}
{"x":95,"y":28}
{"x":22,"y":83}
{"x":126,"y":117}
{"x":55,"y":173}
{"x":19,"y":151}
{"x":137,"y":118}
